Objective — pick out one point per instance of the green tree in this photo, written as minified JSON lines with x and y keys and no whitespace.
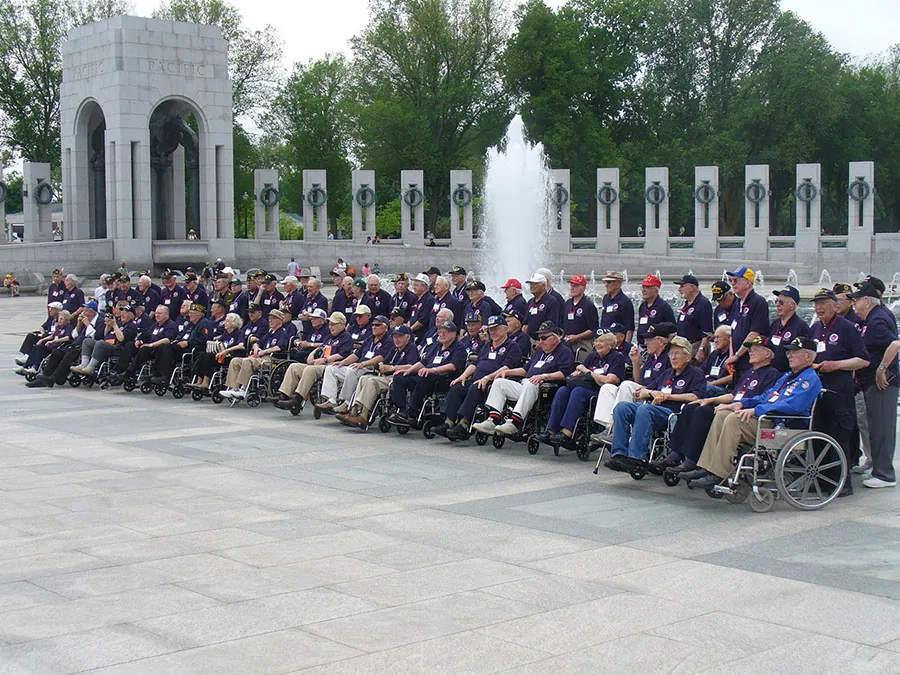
{"x":430,"y":89}
{"x":13,"y":202}
{"x":253,"y":56}
{"x":31,"y":34}
{"x":246,"y":159}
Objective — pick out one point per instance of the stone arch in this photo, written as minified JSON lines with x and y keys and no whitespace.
{"x":90,"y":138}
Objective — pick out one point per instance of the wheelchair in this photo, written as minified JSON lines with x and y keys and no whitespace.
{"x":581,"y":434}
{"x":429,"y":416}
{"x":181,"y":373}
{"x":787,"y":464}
{"x":659,"y":448}
{"x":100,"y":378}
{"x":535,"y":421}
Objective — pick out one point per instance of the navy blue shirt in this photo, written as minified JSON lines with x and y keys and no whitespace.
{"x":370,"y":349}
{"x":198,"y":295}
{"x":472,"y":346}
{"x":73,"y":300}
{"x":201,"y":333}
{"x":548,"y":308}
{"x":280,"y":338}
{"x":653,"y":371}
{"x":560,"y":360}
{"x":421,"y":314}
{"x":625,"y":349}
{"x":755,"y":381}
{"x":560,"y":301}
{"x":695,"y":319}
{"x":491,"y":359}
{"x":56,"y":292}
{"x":268,"y":302}
{"x":296,"y":301}
{"x":878,"y":330}
{"x":748,"y":316}
{"x":837,"y":341}
{"x":460,"y":293}
{"x":157,"y":332}
{"x":650,"y":315}
{"x":380,"y":303}
{"x":340,"y":302}
{"x":360,"y":334}
{"x":518,"y":304}
{"x":341,"y":343}
{"x":402,"y":357}
{"x":618,"y":309}
{"x":486,"y":308}
{"x":240,"y":304}
{"x":150,"y":299}
{"x":173,"y":299}
{"x":524,"y":342}
{"x":722,"y":316}
{"x":690,"y":381}
{"x":307,"y":305}
{"x":130,"y":295}
{"x":780,"y":335}
{"x":611,"y":364}
{"x":437,"y":355}
{"x":256,"y":330}
{"x":447,"y":302}
{"x":404,"y":303}
{"x":714,"y":366}
{"x":581,"y":317}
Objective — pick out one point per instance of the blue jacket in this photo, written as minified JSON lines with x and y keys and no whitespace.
{"x":791,"y":395}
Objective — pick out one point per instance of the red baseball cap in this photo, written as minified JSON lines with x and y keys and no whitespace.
{"x":578,"y":279}
{"x":651,"y":280}
{"x":512,"y":283}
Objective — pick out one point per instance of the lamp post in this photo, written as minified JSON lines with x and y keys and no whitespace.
{"x":246,"y":198}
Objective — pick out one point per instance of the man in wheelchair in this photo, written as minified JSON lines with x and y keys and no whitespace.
{"x":635,"y":422}
{"x":793,"y":394}
{"x":553,"y":361}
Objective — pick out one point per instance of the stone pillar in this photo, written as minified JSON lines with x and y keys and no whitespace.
{"x":363,"y":216}
{"x":461,"y":216}
{"x":809,"y":210}
{"x":560,"y":212}
{"x":861,"y":209}
{"x":656,"y":215}
{"x":315,"y":218}
{"x":608,"y":216}
{"x":38,"y":217}
{"x":756,"y":211}
{"x":265,"y":217}
{"x":706,"y":211}
{"x":412,"y":217}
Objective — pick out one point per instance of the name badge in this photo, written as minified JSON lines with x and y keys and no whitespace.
{"x":492,"y":356}
{"x":681,"y":317}
{"x":267,"y":301}
{"x":738,"y":396}
{"x":609,"y":310}
{"x":533,"y":310}
{"x":437,"y":360}
{"x":539,"y":364}
{"x":715,"y":370}
{"x":820,"y":346}
{"x":647,"y":373}
{"x":355,"y":336}
{"x":571,"y":316}
{"x":643,"y":320}
{"x":370,"y":354}
{"x":776,"y":340}
{"x":429,"y":341}
{"x":734,"y":324}
{"x":666,"y":390}
{"x":773,"y":397}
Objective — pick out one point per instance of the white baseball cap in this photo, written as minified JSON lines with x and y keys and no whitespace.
{"x":290,"y":279}
{"x":423,"y":278}
{"x":363,"y":309}
{"x":537,"y":278}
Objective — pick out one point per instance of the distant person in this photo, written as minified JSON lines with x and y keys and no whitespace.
{"x":377,"y":240}
{"x":640,"y":230}
{"x":340,"y":267}
{"x":293,"y":269}
{"x":331,"y":236}
{"x":192,"y":236}
{"x":376,"y":269}
{"x":123,"y":268}
{"x":366,"y":270}
{"x":368,"y":240}
{"x":57,"y":234}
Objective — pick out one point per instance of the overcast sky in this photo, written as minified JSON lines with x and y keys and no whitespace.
{"x":312,"y":28}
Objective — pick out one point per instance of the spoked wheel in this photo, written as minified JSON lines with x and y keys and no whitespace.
{"x":161,"y":390}
{"x":146,"y":387}
{"x":30,"y":377}
{"x":383,"y":425}
{"x":712,"y":492}
{"x":128,"y":384}
{"x":403,"y":430}
{"x":533,"y":445}
{"x":215,"y":393}
{"x":178,"y":390}
{"x":671,"y":478}
{"x":764,"y":502}
{"x":740,"y":494}
{"x":481,"y":438}
{"x":74,"y":381}
{"x":499,"y":441}
{"x":253,"y":400}
{"x":583,"y":451}
{"x":277,"y":375}
{"x":638,"y":472}
{"x":428,"y":430}
{"x":197,"y":394}
{"x":810,"y":471}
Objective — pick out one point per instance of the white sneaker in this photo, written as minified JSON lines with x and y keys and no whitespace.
{"x":240,"y":394}
{"x":486,"y":427}
{"x":874,"y":482}
{"x":21,"y":360}
{"x":507,"y":429}
{"x":21,"y":370}
{"x":227,"y":393}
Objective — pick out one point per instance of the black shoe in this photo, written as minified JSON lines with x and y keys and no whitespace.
{"x":629,"y":463}
{"x":399,"y":419}
{"x":846,"y":492}
{"x":441,"y":429}
{"x":704,"y":482}
{"x":284,"y":404}
{"x":568,"y":442}
{"x":39,"y":381}
{"x":544,"y":437}
{"x":693,"y":474}
{"x":458,"y":433}
{"x":614,"y":463}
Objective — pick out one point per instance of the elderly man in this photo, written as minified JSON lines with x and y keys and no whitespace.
{"x":57,"y":338}
{"x":580,"y":320}
{"x":343,"y":297}
{"x":542,"y":307}
{"x":514,"y":298}
{"x":190,"y":337}
{"x":723,"y":296}
{"x":32,"y":338}
{"x":879,"y":382}
{"x":653,"y":310}
{"x":749,"y":318}
{"x":459,"y":280}
{"x":357,"y":293}
{"x":194,"y":290}
{"x":276,"y":341}
{"x":786,"y":326}
{"x":300,"y":377}
{"x":553,"y":361}
{"x":690,"y":431}
{"x":360,"y":328}
{"x":478,"y":302}
{"x":370,"y":387}
{"x":695,"y":321}
{"x":294,"y":298}
{"x":314,"y":299}
{"x":844,"y":294}
{"x":793,"y":394}
{"x":149,"y":296}
{"x":634,"y":422}
{"x":340,"y":379}
{"x":73,"y":297}
{"x":475,"y":336}
{"x":222,"y":289}
{"x":560,"y":300}
{"x":420,"y":314}
{"x":268,"y":296}
{"x":57,"y":288}
{"x":403,"y":298}
{"x":647,"y":375}
{"x":376,"y":298}
{"x":839,"y":352}
{"x":118,"y":331}
{"x":57,"y":367}
{"x":172,"y":295}
{"x":433,"y":273}
{"x":443,"y":299}
{"x":437,"y":366}
{"x":147,"y":343}
{"x":717,"y":375}
{"x":515,"y":320}
{"x":312,"y":339}
{"x":470,"y":388}
{"x":617,"y":307}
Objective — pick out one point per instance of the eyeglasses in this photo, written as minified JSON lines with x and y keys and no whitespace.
{"x":541,"y":338}
{"x":780,"y":302}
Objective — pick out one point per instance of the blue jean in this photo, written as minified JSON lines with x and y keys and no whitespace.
{"x":633,"y":427}
{"x":569,"y":404}
{"x":713,"y":390}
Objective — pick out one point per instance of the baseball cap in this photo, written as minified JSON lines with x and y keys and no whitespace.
{"x":190,"y":276}
{"x":360,"y":283}
{"x":512,"y":283}
{"x":548,"y":327}
{"x":743,"y":272}
{"x":448,"y":325}
{"x":759,"y":341}
{"x":867,"y":291}
{"x":842,"y":288}
{"x":617,"y":328}
{"x":277,"y":313}
{"x":651,"y":280}
{"x":578,"y":280}
{"x":362,"y":309}
{"x":318,"y":313}
{"x":515,"y":313}
{"x":475,"y":286}
{"x":681,"y":343}
{"x":396,"y":312}
{"x":687,"y":279}
{"x":473,"y":317}
{"x":221,"y":275}
{"x":614,"y":275}
{"x":664,"y":329}
{"x":56,"y":271}
{"x":456,"y":269}
{"x":790,"y":292}
{"x":432,"y":270}
{"x":402,"y":329}
{"x":337,"y":317}
{"x":423,"y":278}
{"x":801,"y":343}
{"x":237,"y":281}
{"x":496,"y":320}
{"x":290,"y":279}
{"x":55,"y":305}
{"x":253,"y":307}
{"x":874,"y":281}
{"x":92,"y":305}
{"x":270,"y":278}
{"x":195,"y":307}
{"x":824,"y":294}
{"x":168,"y":274}
{"x":403,"y":276}
{"x":221,"y":303}
{"x":719,"y":289}
{"x":382,"y":319}
{"x":537,"y":278}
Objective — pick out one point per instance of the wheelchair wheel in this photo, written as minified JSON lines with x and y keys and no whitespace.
{"x":810,"y":471}
{"x":533,"y":445}
{"x":403,"y":430}
{"x":638,"y":472}
{"x":481,"y":438}
{"x":146,"y":387}
{"x":671,"y":478}
{"x":499,"y":441}
{"x":160,"y":390}
{"x":740,"y":494}
{"x":428,"y":430}
{"x":383,"y":425}
{"x":74,"y":380}
{"x":178,"y":390}
{"x":128,"y":384}
{"x":713,"y":493}
{"x":197,"y":394}
{"x":253,"y":400}
{"x":317,"y":413}
{"x":276,"y":377}
{"x":583,"y":451}
{"x":215,"y":393}
{"x":764,"y":502}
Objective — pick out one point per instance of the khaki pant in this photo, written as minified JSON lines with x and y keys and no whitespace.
{"x":610,"y":395}
{"x":300,"y":378}
{"x":726,"y":432}
{"x":369,"y":388}
{"x":339,"y":382}
{"x":524,"y":393}
{"x":240,"y":370}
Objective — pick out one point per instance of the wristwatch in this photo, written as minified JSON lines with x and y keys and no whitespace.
{"x":881,"y":366}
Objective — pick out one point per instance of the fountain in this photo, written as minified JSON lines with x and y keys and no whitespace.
{"x":517,"y":208}
{"x":760,"y":284}
{"x":894,"y":286}
{"x":793,"y":279}
{"x":825,"y":280}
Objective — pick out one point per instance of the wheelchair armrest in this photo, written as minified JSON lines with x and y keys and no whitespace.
{"x":773,"y":416}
